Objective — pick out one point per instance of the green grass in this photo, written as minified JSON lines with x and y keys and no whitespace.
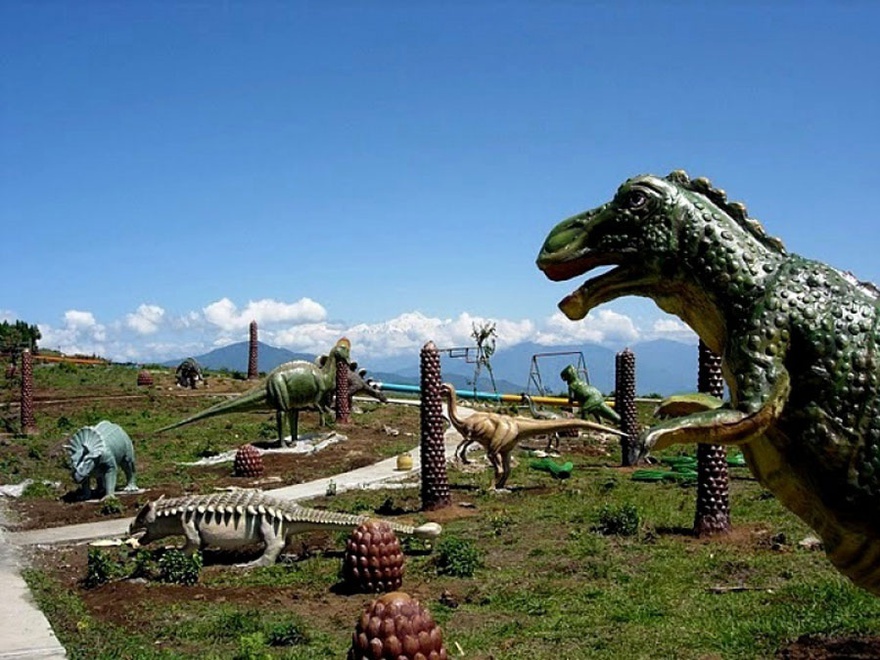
{"x":549,"y":579}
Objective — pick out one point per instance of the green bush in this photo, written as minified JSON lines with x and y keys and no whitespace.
{"x":622,"y":520}
{"x":177,"y":567}
{"x":38,"y":489}
{"x":111,"y":506}
{"x":457,"y":557}
{"x":286,"y":634}
{"x":252,"y":647}
{"x":100,"y":568}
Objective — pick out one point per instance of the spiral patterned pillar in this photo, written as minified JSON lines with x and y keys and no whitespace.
{"x":28,"y":423}
{"x":625,"y":404}
{"x":343,"y":394}
{"x":432,"y":451}
{"x":253,"y":372}
{"x":713,"y":479}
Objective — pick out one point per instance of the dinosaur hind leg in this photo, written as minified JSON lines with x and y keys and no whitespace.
{"x":461,"y":450}
{"x":293,"y":421}
{"x":501,"y":469}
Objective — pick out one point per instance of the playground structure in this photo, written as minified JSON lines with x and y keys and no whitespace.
{"x":536,"y":379}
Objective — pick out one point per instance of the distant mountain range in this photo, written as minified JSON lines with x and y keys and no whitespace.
{"x":662,"y":366}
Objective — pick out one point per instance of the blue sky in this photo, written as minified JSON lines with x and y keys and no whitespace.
{"x":388,"y":170}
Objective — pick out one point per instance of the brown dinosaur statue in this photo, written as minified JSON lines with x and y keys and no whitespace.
{"x":499,"y":434}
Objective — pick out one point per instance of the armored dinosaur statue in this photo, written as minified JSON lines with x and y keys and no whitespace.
{"x":358,"y":383}
{"x":242,"y":517}
{"x":100,"y":451}
{"x":288,"y":388}
{"x":499,"y":434}
{"x":188,"y":373}
{"x":588,"y":398}
{"x":798,"y":340}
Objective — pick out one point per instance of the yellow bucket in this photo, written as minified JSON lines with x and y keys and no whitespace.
{"x":404,"y":462}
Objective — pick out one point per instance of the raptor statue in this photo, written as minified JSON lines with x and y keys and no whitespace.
{"x":798,"y":341}
{"x":242,"y":517}
{"x":499,"y":434}
{"x":287,"y":389}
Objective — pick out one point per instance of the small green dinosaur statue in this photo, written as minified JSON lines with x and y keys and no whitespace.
{"x":588,"y":398}
{"x":288,"y":388}
{"x":798,"y":340}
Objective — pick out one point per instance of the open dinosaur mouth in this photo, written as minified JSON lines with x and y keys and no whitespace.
{"x":595,"y":291}
{"x":598,"y":289}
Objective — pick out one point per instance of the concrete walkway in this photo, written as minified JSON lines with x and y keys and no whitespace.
{"x":24,"y":630}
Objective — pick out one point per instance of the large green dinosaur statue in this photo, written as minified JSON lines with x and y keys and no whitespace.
{"x":288,"y":388}
{"x":798,"y":341}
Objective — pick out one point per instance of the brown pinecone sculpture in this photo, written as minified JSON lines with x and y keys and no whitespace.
{"x":145,"y":378}
{"x":432,"y":451}
{"x":713,"y":480}
{"x":396,"y":627}
{"x":248,"y":462}
{"x":625,"y":404}
{"x":373,"y":560}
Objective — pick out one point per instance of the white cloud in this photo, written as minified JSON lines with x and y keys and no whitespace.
{"x":80,"y":334}
{"x":603,"y":326}
{"x":674,"y":329}
{"x":225,"y":314}
{"x":302,"y":326}
{"x":74,"y":318}
{"x":7,"y":315}
{"x":146,"y":320}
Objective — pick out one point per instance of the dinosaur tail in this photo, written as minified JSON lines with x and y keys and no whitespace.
{"x":252,"y":400}
{"x":542,"y":426}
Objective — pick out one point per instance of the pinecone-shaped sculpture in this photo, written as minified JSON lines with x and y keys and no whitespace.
{"x":145,"y":378}
{"x":28,"y":423}
{"x":396,"y":627}
{"x":432,"y":450}
{"x":713,"y":481}
{"x":248,"y":462}
{"x":373,"y":560}
{"x":625,"y":404}
{"x":343,"y":395}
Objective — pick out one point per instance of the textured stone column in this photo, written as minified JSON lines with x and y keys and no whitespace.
{"x":625,"y":405}
{"x":343,"y":394}
{"x":713,"y":480}
{"x":432,"y":451}
{"x":28,"y":423}
{"x":253,"y":371}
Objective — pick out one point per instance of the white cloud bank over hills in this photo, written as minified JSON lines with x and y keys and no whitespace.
{"x":151,"y":334}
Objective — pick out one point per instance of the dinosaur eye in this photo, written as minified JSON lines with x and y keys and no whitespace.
{"x":636,"y":199}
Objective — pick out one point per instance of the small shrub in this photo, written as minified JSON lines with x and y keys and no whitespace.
{"x":111,"y":506}
{"x":252,"y":647}
{"x":37,"y":489}
{"x":620,"y":520}
{"x":177,"y":567}
{"x":268,"y":431}
{"x":457,"y":557}
{"x":286,"y":634}
{"x":100,"y":568}
{"x":499,"y":523}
